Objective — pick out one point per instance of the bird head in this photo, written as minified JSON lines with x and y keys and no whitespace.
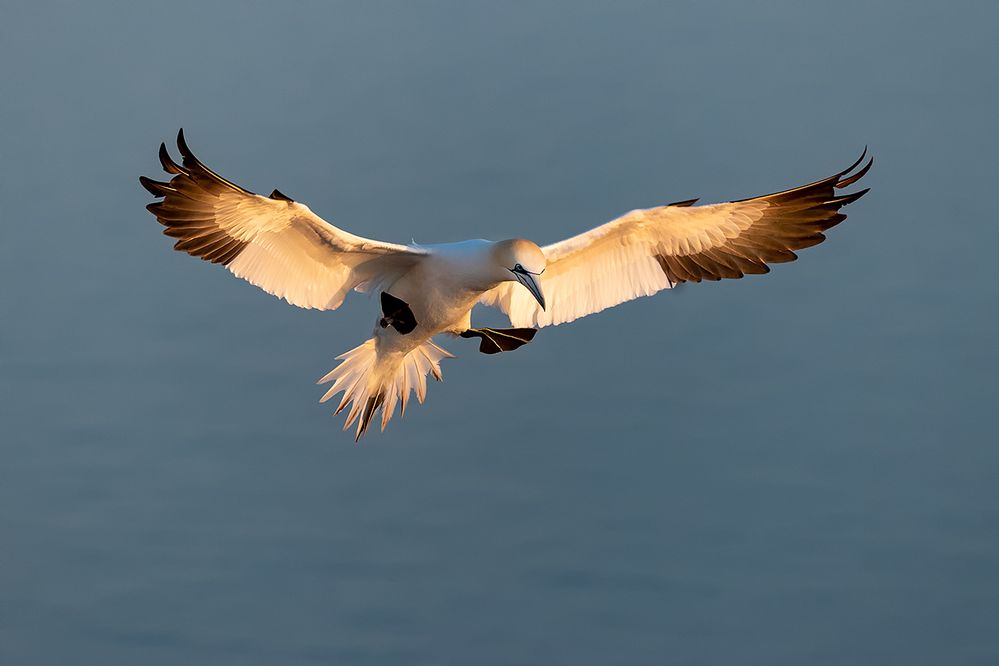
{"x":522,"y":261}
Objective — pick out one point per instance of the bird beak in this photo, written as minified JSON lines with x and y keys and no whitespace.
{"x":531,"y":282}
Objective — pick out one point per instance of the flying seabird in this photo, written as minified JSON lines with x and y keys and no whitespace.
{"x":284,"y":248}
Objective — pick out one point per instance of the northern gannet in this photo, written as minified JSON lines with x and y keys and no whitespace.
{"x":281,"y":246}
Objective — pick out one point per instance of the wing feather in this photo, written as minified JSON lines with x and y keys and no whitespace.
{"x":646,"y":251}
{"x":272,"y":242}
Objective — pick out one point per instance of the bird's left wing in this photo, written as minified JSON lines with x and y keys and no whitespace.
{"x":272,"y":242}
{"x":646,"y":251}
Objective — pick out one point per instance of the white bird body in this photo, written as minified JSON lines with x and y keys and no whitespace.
{"x":440,"y":291}
{"x":284,"y":248}
{"x":442,"y":288}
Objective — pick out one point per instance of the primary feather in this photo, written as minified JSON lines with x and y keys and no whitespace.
{"x":272,"y":242}
{"x":646,"y":251}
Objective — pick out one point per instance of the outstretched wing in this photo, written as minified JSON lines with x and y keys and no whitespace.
{"x":273,"y":242}
{"x":646,"y":251}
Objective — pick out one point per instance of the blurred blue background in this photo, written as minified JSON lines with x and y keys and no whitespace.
{"x":798,"y":468}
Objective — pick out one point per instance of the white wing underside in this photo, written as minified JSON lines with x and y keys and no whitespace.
{"x":616,"y":262}
{"x":295,"y":255}
{"x":272,"y":242}
{"x":648,"y":250}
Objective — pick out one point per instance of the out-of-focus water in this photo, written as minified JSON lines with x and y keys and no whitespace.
{"x":798,"y":468}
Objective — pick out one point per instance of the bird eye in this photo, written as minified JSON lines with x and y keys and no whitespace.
{"x":518,"y":267}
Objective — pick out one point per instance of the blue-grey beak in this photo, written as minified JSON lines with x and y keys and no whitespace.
{"x":530,"y":281}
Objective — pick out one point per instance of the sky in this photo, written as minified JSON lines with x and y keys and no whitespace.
{"x":793,"y":468}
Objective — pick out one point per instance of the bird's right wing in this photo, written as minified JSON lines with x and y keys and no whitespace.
{"x":272,"y":242}
{"x":646,"y":251}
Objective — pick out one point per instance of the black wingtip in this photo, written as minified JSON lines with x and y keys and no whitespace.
{"x":155,"y":187}
{"x":849,"y":198}
{"x":167,"y":162}
{"x":182,"y":146}
{"x":196,"y":168}
{"x":857,"y":176}
{"x":855,"y":164}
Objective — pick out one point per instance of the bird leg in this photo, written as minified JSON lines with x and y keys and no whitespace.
{"x":397,"y":314}
{"x":495,"y":340}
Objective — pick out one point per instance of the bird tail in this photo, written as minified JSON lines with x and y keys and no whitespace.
{"x":370,"y":381}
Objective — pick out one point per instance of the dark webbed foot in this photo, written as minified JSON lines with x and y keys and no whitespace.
{"x":396,"y":313}
{"x":495,"y":340}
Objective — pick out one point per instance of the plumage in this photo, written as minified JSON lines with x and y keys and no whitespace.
{"x":281,"y":246}
{"x":646,"y":251}
{"x":274,"y":243}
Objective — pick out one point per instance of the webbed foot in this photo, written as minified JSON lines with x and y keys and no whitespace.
{"x":495,"y":340}
{"x":397,"y":314}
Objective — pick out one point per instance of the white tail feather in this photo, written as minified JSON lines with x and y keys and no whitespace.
{"x":370,"y":381}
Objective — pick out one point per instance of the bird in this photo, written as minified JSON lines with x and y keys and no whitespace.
{"x":281,"y":246}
